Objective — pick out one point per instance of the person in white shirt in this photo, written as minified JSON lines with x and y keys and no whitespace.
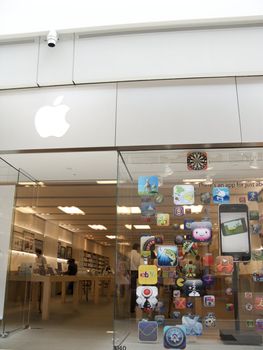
{"x":135,"y":262}
{"x":40,"y":260}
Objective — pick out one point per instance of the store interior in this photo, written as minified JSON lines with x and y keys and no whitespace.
{"x":39,"y":223}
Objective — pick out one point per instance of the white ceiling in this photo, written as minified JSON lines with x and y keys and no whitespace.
{"x":73,"y":167}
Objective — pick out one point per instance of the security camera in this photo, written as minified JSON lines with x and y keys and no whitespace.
{"x":52,"y":38}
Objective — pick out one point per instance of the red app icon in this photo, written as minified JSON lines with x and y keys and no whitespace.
{"x":180,"y":303}
{"x":224,"y":264}
{"x":208,"y":260}
{"x":259,"y":303}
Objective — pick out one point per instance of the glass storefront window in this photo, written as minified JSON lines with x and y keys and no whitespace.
{"x":189,"y":266}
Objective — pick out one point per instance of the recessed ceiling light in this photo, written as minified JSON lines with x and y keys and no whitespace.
{"x":26,"y":210}
{"x":71,"y":210}
{"x":128,"y":226}
{"x":142,"y":227}
{"x":107,"y":182}
{"x":194,"y":180}
{"x":111,"y":236}
{"x":128,"y":210}
{"x":98,"y":227}
{"x":195,"y":209}
{"x":27,"y":183}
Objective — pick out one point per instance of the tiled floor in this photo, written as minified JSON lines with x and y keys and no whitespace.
{"x":86,"y":329}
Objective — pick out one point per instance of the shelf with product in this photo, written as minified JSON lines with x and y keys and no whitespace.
{"x":95,"y":262}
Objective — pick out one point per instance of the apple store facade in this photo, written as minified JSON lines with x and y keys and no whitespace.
{"x":154,"y":121}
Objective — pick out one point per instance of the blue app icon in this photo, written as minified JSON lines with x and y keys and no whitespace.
{"x":221,"y":195}
{"x":252,"y":196}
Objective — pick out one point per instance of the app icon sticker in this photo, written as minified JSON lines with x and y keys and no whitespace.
{"x":159,"y":198}
{"x":229,"y":307}
{"x":148,"y":209}
{"x":228,"y":291}
{"x":252,"y":196}
{"x":147,"y":274}
{"x":193,"y":324}
{"x":167,"y":255}
{"x":160,"y":319}
{"x":224,"y":265}
{"x":257,"y":255}
{"x":179,"y":239}
{"x":183,"y":194}
{"x":187,"y":224}
{"x":176,"y":315}
{"x":256,"y":229}
{"x":248,"y":307}
{"x":179,"y":210}
{"x":259,"y":324}
{"x":242,"y":199}
{"x":258,"y":304}
{"x":208,"y":260}
{"x":189,"y":269}
{"x":197,"y":161}
{"x":163,"y":219}
{"x":248,"y":295}
{"x":253,"y":215}
{"x":208,"y":280}
{"x":210,"y":320}
{"x":147,"y":185}
{"x":147,"y":245}
{"x":205,"y":197}
{"x":257,"y":276}
{"x":189,"y":305}
{"x":201,"y":231}
{"x":190,"y":247}
{"x":250,"y":323}
{"x":180,"y":282}
{"x":180,"y":303}
{"x":221,"y":195}
{"x":147,"y":297}
{"x":209,"y":301}
{"x":148,"y":331}
{"x":193,"y":287}
{"x":174,"y":337}
{"x":176,"y":293}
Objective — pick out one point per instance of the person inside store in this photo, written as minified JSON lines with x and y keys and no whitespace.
{"x":40,"y":260}
{"x":41,"y":264}
{"x":71,"y":271}
{"x":135,"y":261}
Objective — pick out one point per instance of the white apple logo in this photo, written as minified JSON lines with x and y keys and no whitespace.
{"x":50,"y":120}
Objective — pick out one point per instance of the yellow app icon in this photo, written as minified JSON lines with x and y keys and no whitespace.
{"x":147,"y":274}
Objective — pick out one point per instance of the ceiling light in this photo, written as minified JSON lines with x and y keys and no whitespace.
{"x":195,"y":209}
{"x":129,"y":227}
{"x":97,"y":227}
{"x":194,"y":180}
{"x":71,"y":210}
{"x":182,"y":226}
{"x":128,"y":210}
{"x":26,"y":210}
{"x":124,"y":243}
{"x":208,"y":181}
{"x":111,"y":236}
{"x":107,"y":182}
{"x":27,"y":183}
{"x":142,"y":227}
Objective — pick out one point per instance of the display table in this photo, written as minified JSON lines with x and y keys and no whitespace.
{"x":47,"y":280}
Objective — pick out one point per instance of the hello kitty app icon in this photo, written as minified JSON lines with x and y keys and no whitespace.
{"x":201,"y":231}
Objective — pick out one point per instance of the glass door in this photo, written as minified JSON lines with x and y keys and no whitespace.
{"x":21,"y":251}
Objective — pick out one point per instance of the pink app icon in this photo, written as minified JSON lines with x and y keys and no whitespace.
{"x":201,"y":231}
